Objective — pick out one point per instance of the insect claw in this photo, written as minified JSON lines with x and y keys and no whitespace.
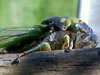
{"x":16,"y":61}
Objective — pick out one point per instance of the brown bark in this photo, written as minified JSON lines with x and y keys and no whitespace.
{"x":75,"y":62}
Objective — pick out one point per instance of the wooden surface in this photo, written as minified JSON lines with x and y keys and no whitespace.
{"x":76,"y":62}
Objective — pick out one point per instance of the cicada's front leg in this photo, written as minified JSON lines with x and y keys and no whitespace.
{"x":68,"y":43}
{"x":44,"y":46}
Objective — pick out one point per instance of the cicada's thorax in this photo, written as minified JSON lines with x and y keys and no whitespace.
{"x":56,"y":40}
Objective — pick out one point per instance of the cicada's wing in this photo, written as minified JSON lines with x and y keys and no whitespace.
{"x":15,"y":35}
{"x":7,"y":34}
{"x":16,"y":38}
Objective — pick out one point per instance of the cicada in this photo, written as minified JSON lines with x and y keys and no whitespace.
{"x":55,"y":33}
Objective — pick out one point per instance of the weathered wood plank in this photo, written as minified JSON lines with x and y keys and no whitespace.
{"x":76,"y":62}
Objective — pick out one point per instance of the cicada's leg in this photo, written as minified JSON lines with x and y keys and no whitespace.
{"x":44,"y":46}
{"x":68,"y":43}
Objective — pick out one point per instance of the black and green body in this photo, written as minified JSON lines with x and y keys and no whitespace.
{"x":19,"y":39}
{"x":67,"y":33}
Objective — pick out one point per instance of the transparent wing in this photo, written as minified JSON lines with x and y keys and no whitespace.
{"x":12,"y":32}
{"x":8,"y":34}
{"x":19,"y":37}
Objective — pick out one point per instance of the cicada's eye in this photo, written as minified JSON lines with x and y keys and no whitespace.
{"x":73,"y":27}
{"x":76,"y":25}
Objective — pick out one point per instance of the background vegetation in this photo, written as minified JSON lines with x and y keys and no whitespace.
{"x":29,"y":12}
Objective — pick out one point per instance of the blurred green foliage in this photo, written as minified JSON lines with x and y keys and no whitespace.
{"x":29,"y":12}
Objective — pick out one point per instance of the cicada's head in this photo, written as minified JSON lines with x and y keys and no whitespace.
{"x":57,"y":22}
{"x":73,"y":27}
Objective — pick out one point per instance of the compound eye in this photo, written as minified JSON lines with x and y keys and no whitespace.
{"x":76,"y":25}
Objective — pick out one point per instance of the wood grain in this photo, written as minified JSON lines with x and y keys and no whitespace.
{"x":75,"y":62}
